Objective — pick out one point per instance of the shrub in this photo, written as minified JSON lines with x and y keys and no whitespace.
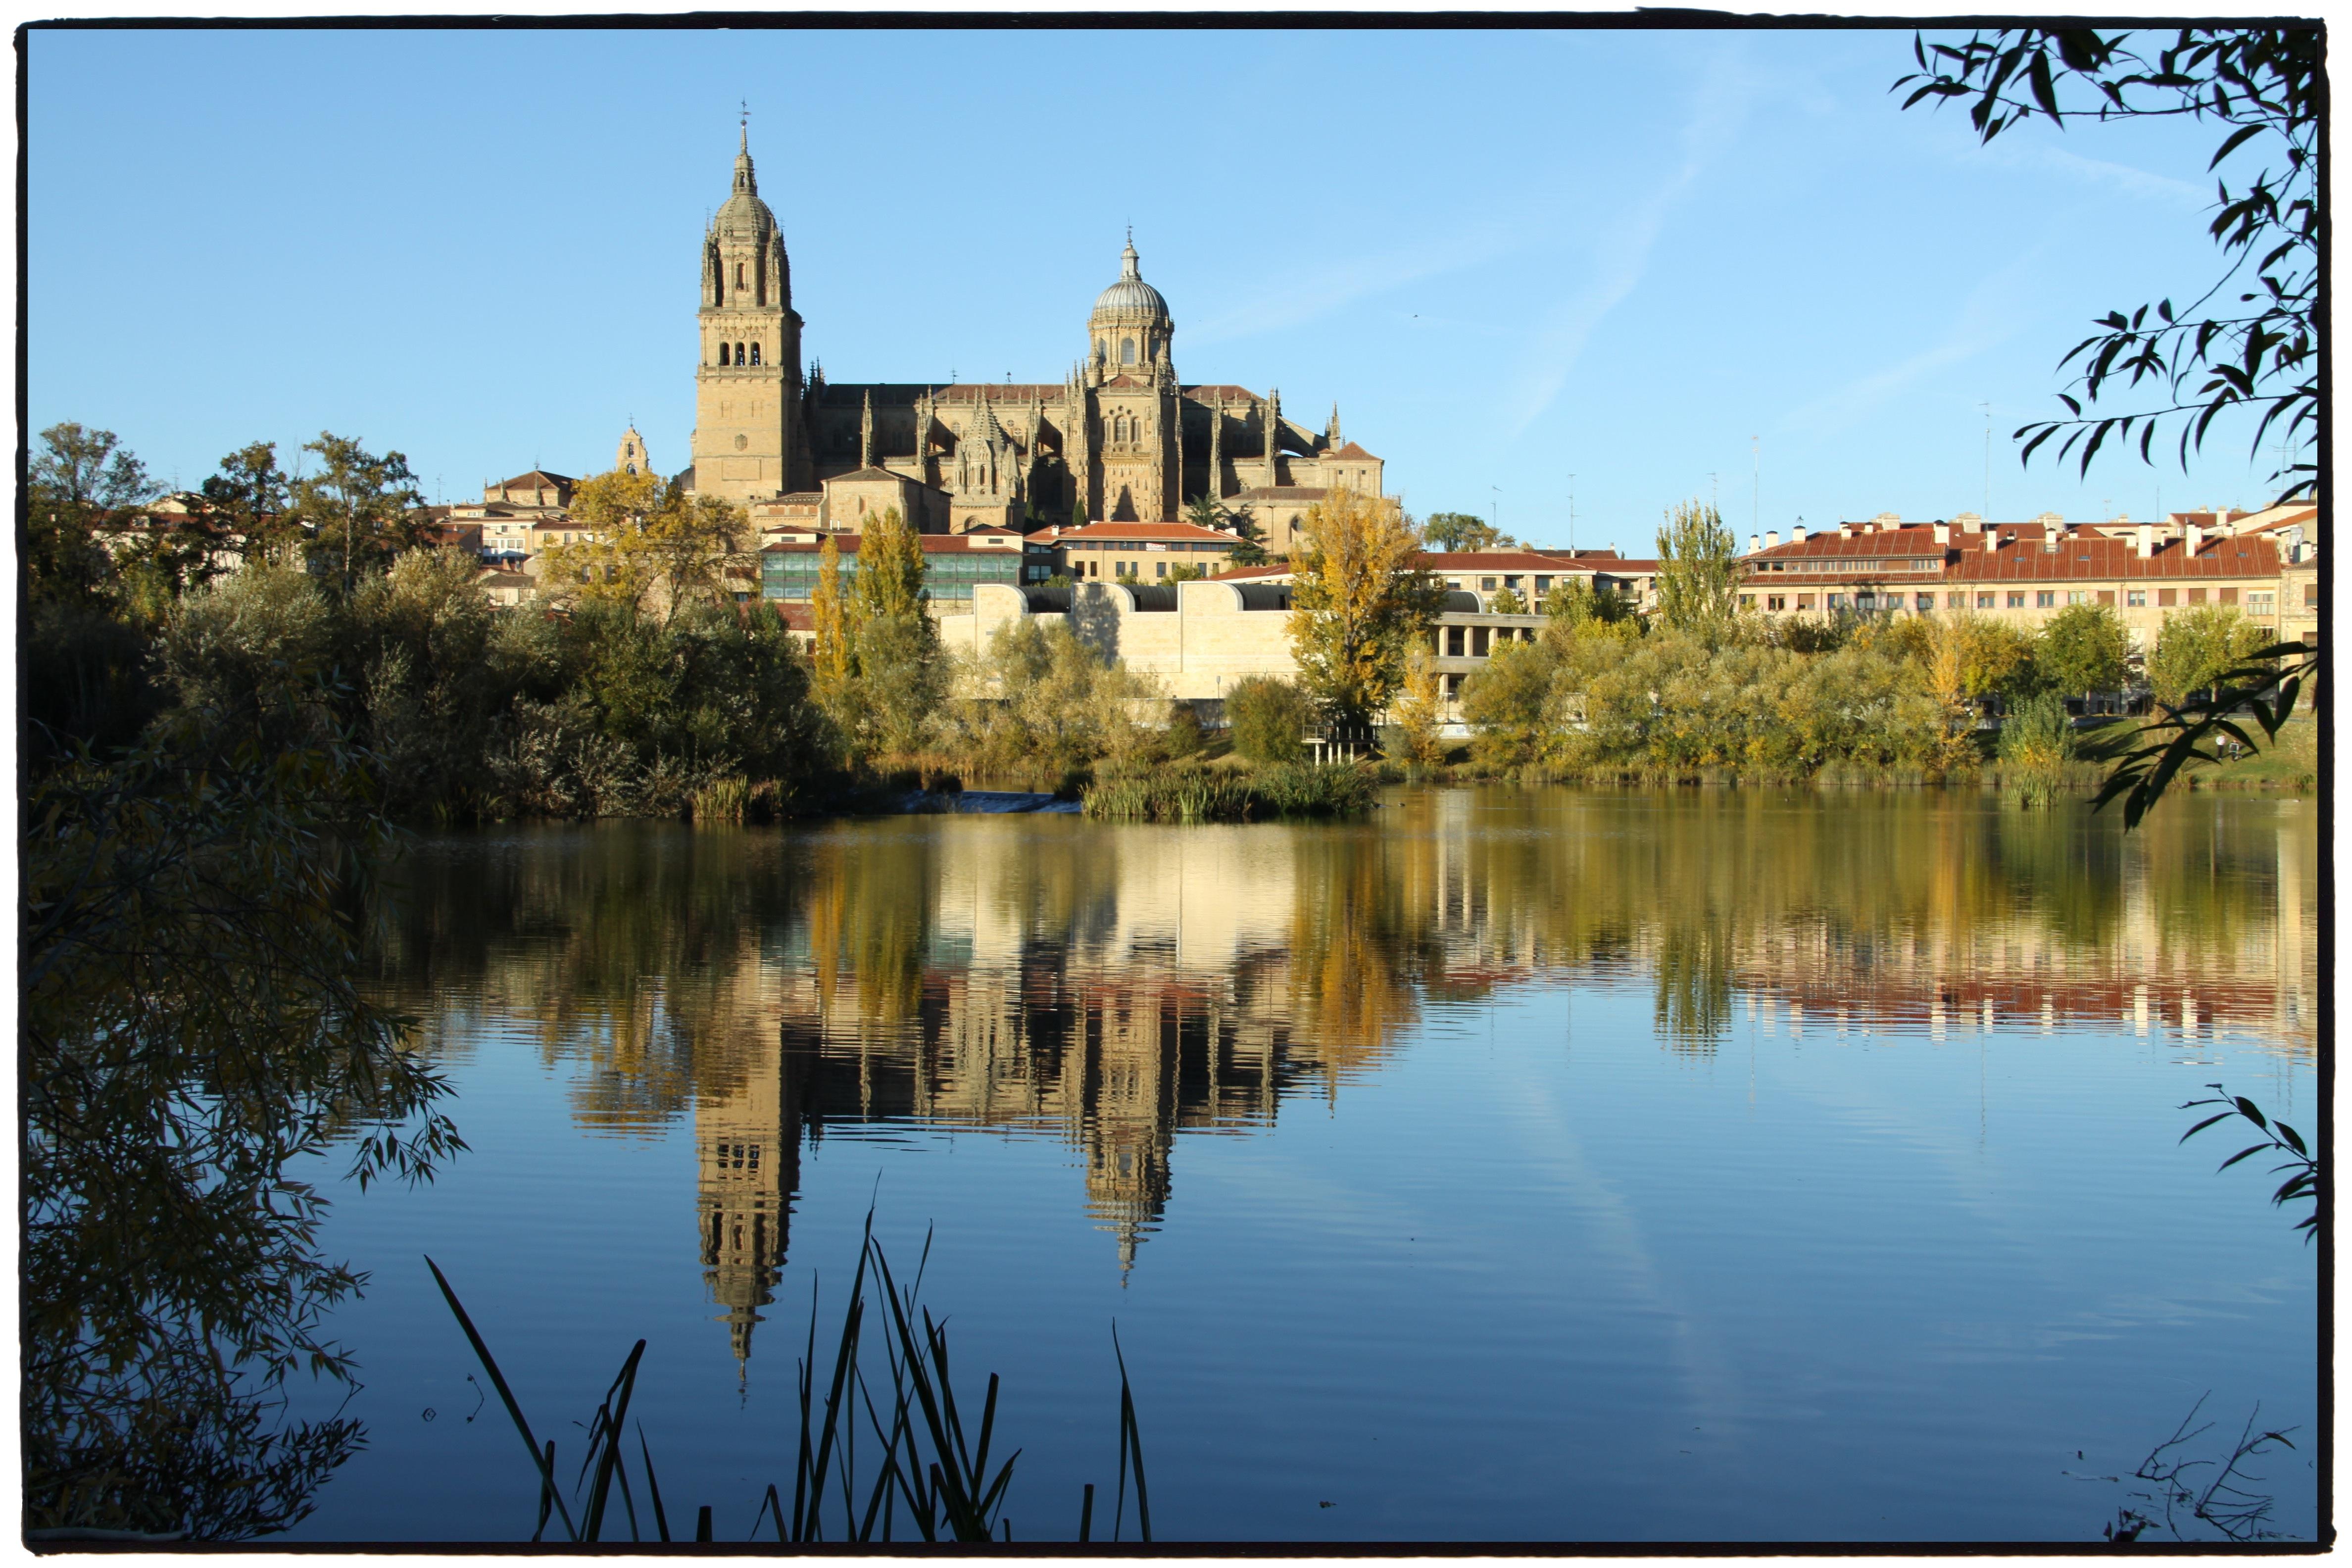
{"x":1269,"y":719}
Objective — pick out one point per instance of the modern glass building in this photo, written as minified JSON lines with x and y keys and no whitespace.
{"x":953,"y":564}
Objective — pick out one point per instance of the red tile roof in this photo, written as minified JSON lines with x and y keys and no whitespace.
{"x":933,"y":545}
{"x":1351,"y":451}
{"x":1280,"y":492}
{"x":1911,"y":554}
{"x":1112,"y":531}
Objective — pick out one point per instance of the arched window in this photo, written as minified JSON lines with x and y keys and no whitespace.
{"x":723,"y":352}
{"x":755,"y":354}
{"x":1126,"y":351}
{"x":739,"y":275}
{"x":739,"y":354}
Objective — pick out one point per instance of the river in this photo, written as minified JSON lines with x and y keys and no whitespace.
{"x":1535,"y":1164}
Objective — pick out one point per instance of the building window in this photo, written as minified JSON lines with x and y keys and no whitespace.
{"x":1486,"y":585}
{"x":1746,"y":601}
{"x":1160,"y":569}
{"x":1453,"y":689}
{"x":2311,"y":596}
{"x":1477,"y":642}
{"x":723,"y":352}
{"x":739,"y":354}
{"x":755,"y":354}
{"x":2259,"y":604}
{"x":2229,"y":596}
{"x":2107,"y":596}
{"x":2135,"y":598}
{"x":2167,"y":597}
{"x":1512,"y":583}
{"x":1836,"y":602}
{"x":2077,"y":596}
{"x":1956,"y":601}
{"x":1776,"y":601}
{"x":1984,"y":601}
{"x":2017,"y":601}
{"x":739,"y":275}
{"x":1804,"y":601}
{"x":1543,"y":584}
{"x":2196,"y":596}
{"x":1126,"y":351}
{"x":1454,"y":642}
{"x":1926,"y":601}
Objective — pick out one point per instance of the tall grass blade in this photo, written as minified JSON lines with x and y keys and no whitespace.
{"x":609,"y":1419}
{"x":702,"y":1523}
{"x":1131,"y":1439}
{"x":546,"y":1492}
{"x":652,"y":1484}
{"x":545,"y":1467}
{"x":1087,"y":1514}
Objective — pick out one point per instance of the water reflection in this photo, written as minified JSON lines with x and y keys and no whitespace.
{"x":1112,"y":986}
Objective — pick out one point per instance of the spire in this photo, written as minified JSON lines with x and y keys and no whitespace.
{"x":1331,"y":434}
{"x":866,"y":434}
{"x":1130,"y":264}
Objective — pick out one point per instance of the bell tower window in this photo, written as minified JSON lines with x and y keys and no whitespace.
{"x":755,"y":354}
{"x":739,"y":275}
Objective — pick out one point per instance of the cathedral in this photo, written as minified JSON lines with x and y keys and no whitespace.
{"x":1119,"y":439}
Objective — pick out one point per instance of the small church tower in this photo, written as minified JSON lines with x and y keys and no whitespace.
{"x":747,"y":390}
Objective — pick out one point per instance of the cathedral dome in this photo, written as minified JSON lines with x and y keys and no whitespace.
{"x":743,"y":213}
{"x":1131,"y":295}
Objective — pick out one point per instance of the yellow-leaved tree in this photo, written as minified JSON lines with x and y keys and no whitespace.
{"x":1421,"y":709}
{"x":653,"y":550}
{"x":832,"y":636}
{"x":1358,"y":603}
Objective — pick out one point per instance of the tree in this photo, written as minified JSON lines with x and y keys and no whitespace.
{"x":195,"y":1035}
{"x":829,"y":613}
{"x":1421,"y":709}
{"x":1573,"y":601}
{"x":1464,"y":531}
{"x":2082,"y":648}
{"x":2260,"y":86}
{"x":1269,"y":717}
{"x":78,"y":480}
{"x":891,"y":568}
{"x":1507,"y":602}
{"x":1358,"y":603}
{"x":1697,"y":572}
{"x":1206,"y":512}
{"x":364,"y":506}
{"x":2197,"y":649}
{"x":252,"y":498}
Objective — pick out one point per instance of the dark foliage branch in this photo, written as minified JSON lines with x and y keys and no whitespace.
{"x":2257,"y":351}
{"x":2184,"y":733}
{"x":2301,"y":1166}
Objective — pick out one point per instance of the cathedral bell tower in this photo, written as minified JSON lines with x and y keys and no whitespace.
{"x":746,"y":389}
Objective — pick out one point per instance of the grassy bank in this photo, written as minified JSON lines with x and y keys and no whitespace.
{"x":1202,"y":793}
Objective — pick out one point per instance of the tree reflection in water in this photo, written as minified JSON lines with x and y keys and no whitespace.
{"x":1116,"y":985}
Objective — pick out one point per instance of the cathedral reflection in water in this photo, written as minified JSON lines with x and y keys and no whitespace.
{"x":1115,"y":986}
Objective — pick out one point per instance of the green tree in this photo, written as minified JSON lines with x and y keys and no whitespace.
{"x":78,"y":480}
{"x":1697,"y":572}
{"x":1269,"y":717}
{"x":362,"y":509}
{"x":2082,"y":648}
{"x":192,"y":1033}
{"x":1507,"y":602}
{"x":252,"y":498}
{"x":1573,"y":601}
{"x":2261,"y":88}
{"x":2197,"y":649}
{"x":1358,"y":603}
{"x":1464,"y":531}
{"x":1206,"y":512}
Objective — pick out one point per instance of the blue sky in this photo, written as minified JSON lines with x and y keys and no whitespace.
{"x":1508,"y":256}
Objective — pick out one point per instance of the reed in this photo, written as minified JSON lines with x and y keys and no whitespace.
{"x":1206,"y":795}
{"x":722,"y":800}
{"x":931,"y":1467}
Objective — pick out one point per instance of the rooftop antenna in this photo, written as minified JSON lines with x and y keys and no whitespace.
{"x":1988,"y":502}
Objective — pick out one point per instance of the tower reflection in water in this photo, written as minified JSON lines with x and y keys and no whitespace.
{"x":1113,"y":986}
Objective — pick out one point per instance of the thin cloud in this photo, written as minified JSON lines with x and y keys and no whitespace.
{"x":1308,"y":293}
{"x":1558,"y":341}
{"x":2098,"y":171}
{"x":1987,"y":319}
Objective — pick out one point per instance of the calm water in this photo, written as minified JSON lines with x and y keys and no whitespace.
{"x":1520,"y":1164}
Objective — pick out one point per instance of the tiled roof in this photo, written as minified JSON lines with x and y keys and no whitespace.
{"x":798,"y":615}
{"x":534,"y":479}
{"x":1350,"y":450}
{"x":870,"y":473}
{"x":1912,"y":554}
{"x":1107,"y":531}
{"x":1280,"y":492}
{"x":1123,"y":382}
{"x":1218,"y":392}
{"x":933,"y":545}
{"x":1495,"y":561}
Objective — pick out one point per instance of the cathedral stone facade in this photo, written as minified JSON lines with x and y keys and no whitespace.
{"x":1119,"y":438}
